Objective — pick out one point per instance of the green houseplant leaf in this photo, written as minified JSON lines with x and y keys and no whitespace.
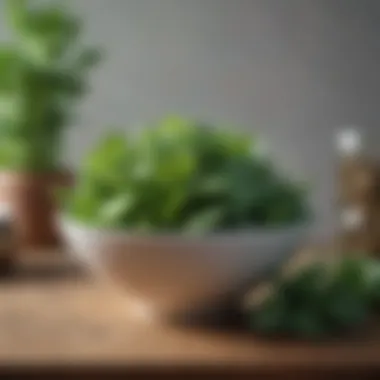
{"x":42,"y":74}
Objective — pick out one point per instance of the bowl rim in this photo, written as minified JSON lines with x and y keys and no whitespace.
{"x":65,"y":220}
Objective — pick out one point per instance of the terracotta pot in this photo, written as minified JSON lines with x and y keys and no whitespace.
{"x":30,"y":197}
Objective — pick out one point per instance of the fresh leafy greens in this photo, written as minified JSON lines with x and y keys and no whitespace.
{"x":320,"y":301}
{"x":185,"y":176}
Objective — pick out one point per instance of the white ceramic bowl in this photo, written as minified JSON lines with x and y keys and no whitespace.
{"x":170,"y":275}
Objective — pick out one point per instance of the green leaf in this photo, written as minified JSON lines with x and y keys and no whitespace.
{"x":305,"y":286}
{"x":307,"y":324}
{"x":217,"y":185}
{"x":85,"y":203}
{"x":271,"y":317}
{"x":350,"y":274}
{"x":88,"y":59}
{"x":205,"y":221}
{"x":370,"y":269}
{"x":346,"y":310}
{"x":16,"y":12}
{"x":109,"y":159}
{"x":11,"y":71}
{"x":114,"y":210}
{"x":174,"y":127}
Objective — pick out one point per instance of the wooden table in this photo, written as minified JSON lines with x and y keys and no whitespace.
{"x":55,"y":321}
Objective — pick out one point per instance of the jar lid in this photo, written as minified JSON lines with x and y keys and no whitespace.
{"x":349,"y":142}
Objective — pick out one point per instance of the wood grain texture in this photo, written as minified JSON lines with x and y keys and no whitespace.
{"x":69,"y":324}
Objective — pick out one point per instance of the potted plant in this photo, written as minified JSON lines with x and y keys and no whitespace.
{"x":182,"y":214}
{"x":43,"y":71}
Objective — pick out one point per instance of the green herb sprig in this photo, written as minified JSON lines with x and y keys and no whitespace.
{"x":320,"y":300}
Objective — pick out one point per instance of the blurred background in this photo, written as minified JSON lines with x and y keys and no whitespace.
{"x":291,"y":71}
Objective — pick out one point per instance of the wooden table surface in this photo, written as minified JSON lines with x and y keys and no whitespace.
{"x":54,"y":319}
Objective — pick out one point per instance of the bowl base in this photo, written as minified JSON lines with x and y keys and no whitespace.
{"x":225,"y":315}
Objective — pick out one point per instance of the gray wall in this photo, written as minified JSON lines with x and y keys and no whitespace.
{"x":290,"y":70}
